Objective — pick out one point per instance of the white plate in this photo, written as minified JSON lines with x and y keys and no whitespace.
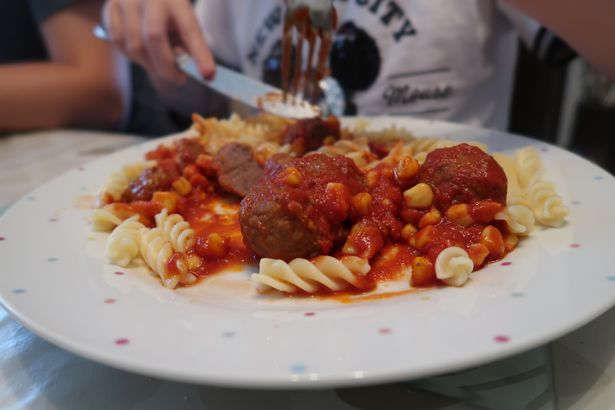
{"x":54,"y":280}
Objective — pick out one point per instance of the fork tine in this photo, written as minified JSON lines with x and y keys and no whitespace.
{"x":309,"y":72}
{"x":287,"y":47}
{"x":323,"y":57}
{"x":301,"y":33}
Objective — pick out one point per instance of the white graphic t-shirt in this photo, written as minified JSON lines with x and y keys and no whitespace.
{"x":437,"y":59}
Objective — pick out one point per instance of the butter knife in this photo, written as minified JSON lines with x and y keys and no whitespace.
{"x":239,"y":87}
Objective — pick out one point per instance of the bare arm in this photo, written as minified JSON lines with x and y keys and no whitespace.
{"x":85,"y":83}
{"x":587,"y":25}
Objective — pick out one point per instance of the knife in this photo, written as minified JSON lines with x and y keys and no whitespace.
{"x":249,"y":91}
{"x":236,"y":86}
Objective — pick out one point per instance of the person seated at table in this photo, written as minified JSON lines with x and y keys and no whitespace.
{"x":54,"y":72}
{"x":442,"y":60}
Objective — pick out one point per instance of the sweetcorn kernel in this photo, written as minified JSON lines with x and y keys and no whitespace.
{"x":419,"y":196}
{"x":491,"y":237}
{"x":292,"y":177}
{"x":372,"y":179}
{"x":167,"y":200}
{"x":407,"y":168}
{"x":423,"y":272}
{"x":460,"y":214}
{"x":407,"y":232}
{"x":182,"y":186}
{"x":510,"y":241}
{"x":478,"y":252}
{"x":194,"y":262}
{"x":215,"y":245}
{"x":422,"y":237}
{"x":432,"y":217}
{"x":362,"y":203}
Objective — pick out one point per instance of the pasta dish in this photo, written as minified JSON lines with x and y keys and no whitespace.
{"x":321,"y":209}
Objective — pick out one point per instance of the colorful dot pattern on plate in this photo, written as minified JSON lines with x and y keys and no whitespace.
{"x":575,"y":245}
{"x":384,"y":331}
{"x":119,"y":273}
{"x":121,"y":341}
{"x":506,"y":263}
{"x":501,"y":339}
{"x":2,"y":238}
{"x":611,"y":278}
{"x":110,"y":301}
{"x":517,"y":294}
{"x":18,"y":291}
{"x":309,"y":314}
{"x":52,"y":259}
{"x":229,"y":334}
{"x":298,"y":368}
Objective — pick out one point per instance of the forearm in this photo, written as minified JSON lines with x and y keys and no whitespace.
{"x":587,"y":25}
{"x":48,"y":95}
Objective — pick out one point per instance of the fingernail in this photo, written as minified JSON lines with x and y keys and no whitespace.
{"x":208,"y":71}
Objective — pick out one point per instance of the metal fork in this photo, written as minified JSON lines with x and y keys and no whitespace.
{"x":310,"y":22}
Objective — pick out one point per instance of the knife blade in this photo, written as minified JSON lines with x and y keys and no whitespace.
{"x":239,"y":87}
{"x":247,"y":90}
{"x":228,"y":82}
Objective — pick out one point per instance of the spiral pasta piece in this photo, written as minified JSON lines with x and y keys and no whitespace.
{"x":357,"y":150}
{"x":453,"y":266}
{"x":309,"y":276}
{"x":123,"y":244}
{"x":548,"y":207}
{"x":529,"y":166}
{"x":519,"y":218}
{"x":156,"y":251}
{"x":176,"y":229}
{"x":103,"y":220}
{"x":515,"y":194}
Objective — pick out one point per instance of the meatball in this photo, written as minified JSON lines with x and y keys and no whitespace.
{"x":309,"y":135}
{"x":298,"y":210}
{"x":158,"y":178}
{"x":463,"y":174}
{"x":237,"y":168}
{"x":187,"y":151}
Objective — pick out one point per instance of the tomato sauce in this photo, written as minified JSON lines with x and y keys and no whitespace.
{"x":217,"y":214}
{"x":391,"y":262}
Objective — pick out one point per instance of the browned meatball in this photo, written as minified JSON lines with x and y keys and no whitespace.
{"x":298,"y":208}
{"x":158,"y":178}
{"x":237,"y":168}
{"x":309,"y":135}
{"x":187,"y":151}
{"x":463,"y":174}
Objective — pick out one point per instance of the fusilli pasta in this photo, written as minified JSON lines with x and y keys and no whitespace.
{"x":157,"y":251}
{"x":103,"y":220}
{"x":548,"y":207}
{"x":519,"y":218}
{"x":453,"y":266}
{"x":332,"y":273}
{"x":123,"y":244}
{"x":529,"y":166}
{"x":176,"y":229}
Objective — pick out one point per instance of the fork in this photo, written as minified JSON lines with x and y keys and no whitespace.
{"x":311,"y":22}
